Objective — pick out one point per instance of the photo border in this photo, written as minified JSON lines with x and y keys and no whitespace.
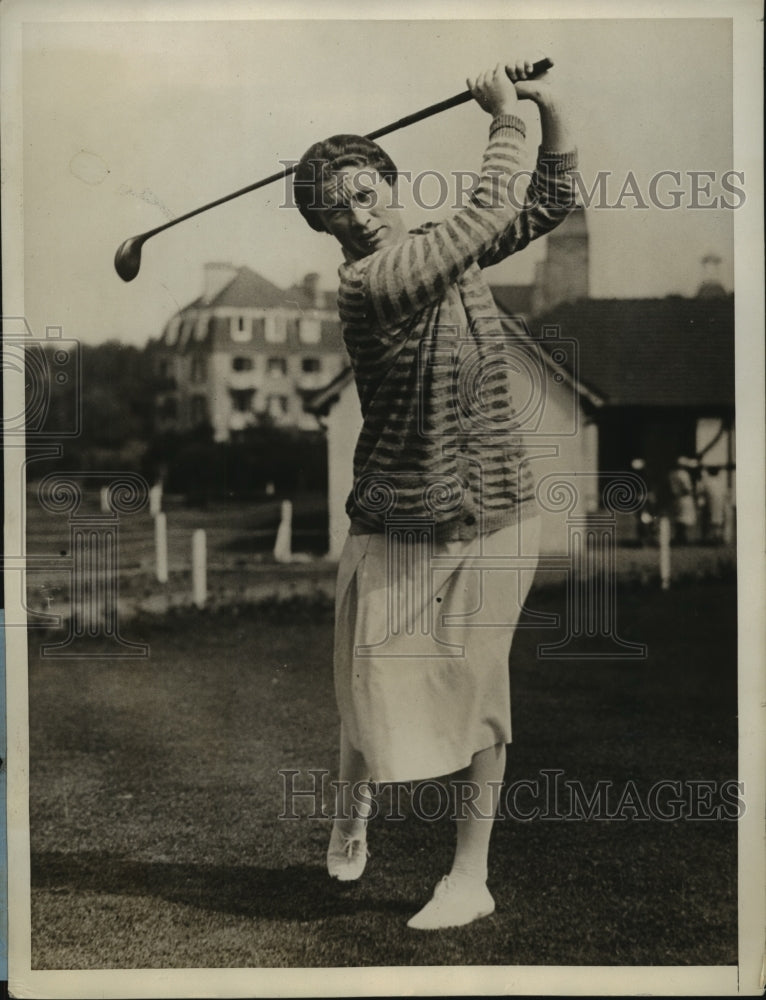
{"x":746,"y":978}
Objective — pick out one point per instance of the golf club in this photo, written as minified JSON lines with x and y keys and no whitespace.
{"x":127,"y":260}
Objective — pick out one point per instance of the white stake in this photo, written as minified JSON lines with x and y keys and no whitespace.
{"x":155,"y":499}
{"x":199,"y":568}
{"x":161,"y":547}
{"x":665,"y":552}
{"x":283,"y":544}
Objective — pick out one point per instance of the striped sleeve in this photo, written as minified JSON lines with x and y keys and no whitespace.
{"x":548,"y":200}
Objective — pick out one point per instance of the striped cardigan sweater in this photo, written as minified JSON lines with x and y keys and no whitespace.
{"x":440,"y":442}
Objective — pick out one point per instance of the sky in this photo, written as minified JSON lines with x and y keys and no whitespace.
{"x":129,"y":124}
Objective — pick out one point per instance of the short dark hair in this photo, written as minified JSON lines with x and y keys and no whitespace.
{"x":321,"y":160}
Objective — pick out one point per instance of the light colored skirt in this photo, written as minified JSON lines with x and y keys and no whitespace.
{"x":422,"y":637}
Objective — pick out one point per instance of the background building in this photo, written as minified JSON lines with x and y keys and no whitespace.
{"x":664,"y":369}
{"x":245,"y":352}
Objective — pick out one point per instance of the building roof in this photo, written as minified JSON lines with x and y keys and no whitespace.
{"x":300,"y":297}
{"x":652,"y":352}
{"x":245,"y":290}
{"x":248,"y":289}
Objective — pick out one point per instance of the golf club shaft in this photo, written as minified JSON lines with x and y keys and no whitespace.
{"x":538,"y":69}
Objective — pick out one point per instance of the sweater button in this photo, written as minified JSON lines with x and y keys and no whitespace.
{"x":470,"y":519}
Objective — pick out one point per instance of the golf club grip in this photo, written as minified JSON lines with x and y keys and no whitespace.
{"x":538,"y":68}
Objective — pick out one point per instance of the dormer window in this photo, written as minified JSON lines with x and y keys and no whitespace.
{"x":241,"y":331}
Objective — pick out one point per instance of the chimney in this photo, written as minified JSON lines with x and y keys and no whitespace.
{"x":215,"y":278}
{"x":312,"y":291}
{"x":711,"y":286}
{"x":711,"y":264}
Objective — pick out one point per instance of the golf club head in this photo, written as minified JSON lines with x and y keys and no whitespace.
{"x":127,"y":260}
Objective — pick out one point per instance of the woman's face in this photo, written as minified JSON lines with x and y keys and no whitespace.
{"x":360,"y":210}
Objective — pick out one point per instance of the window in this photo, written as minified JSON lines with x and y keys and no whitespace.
{"x":198,"y":410}
{"x":186,"y":330}
{"x":173,"y":331}
{"x":218,"y":326}
{"x":277,"y":366}
{"x":242,"y":364}
{"x":276,"y":331}
{"x":310,"y":331}
{"x":240,"y":328}
{"x":165,"y":377}
{"x":292,"y":325}
{"x":259,"y":326}
{"x":277,"y":406}
{"x":168,"y":409}
{"x":242,"y":400}
{"x":309,"y":365}
{"x":198,"y":368}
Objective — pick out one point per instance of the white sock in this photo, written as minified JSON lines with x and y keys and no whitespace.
{"x":474,"y":825}
{"x":353,"y":800}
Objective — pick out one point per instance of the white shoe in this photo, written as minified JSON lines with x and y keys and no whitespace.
{"x":347,"y":855}
{"x":455,"y":902}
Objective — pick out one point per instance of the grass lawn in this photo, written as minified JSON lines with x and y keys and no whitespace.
{"x":155,"y":793}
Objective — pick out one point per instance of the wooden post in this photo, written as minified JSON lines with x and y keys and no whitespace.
{"x":283,"y":543}
{"x":155,"y":499}
{"x":199,"y":568}
{"x":161,"y":546}
{"x":665,"y":552}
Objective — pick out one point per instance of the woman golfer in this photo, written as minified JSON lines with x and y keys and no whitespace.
{"x":441,"y":485}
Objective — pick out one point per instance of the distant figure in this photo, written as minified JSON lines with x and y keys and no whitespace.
{"x":684,"y":504}
{"x":646,"y":513}
{"x":713,"y":493}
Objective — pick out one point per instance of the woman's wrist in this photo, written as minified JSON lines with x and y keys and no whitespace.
{"x":556,"y":132}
